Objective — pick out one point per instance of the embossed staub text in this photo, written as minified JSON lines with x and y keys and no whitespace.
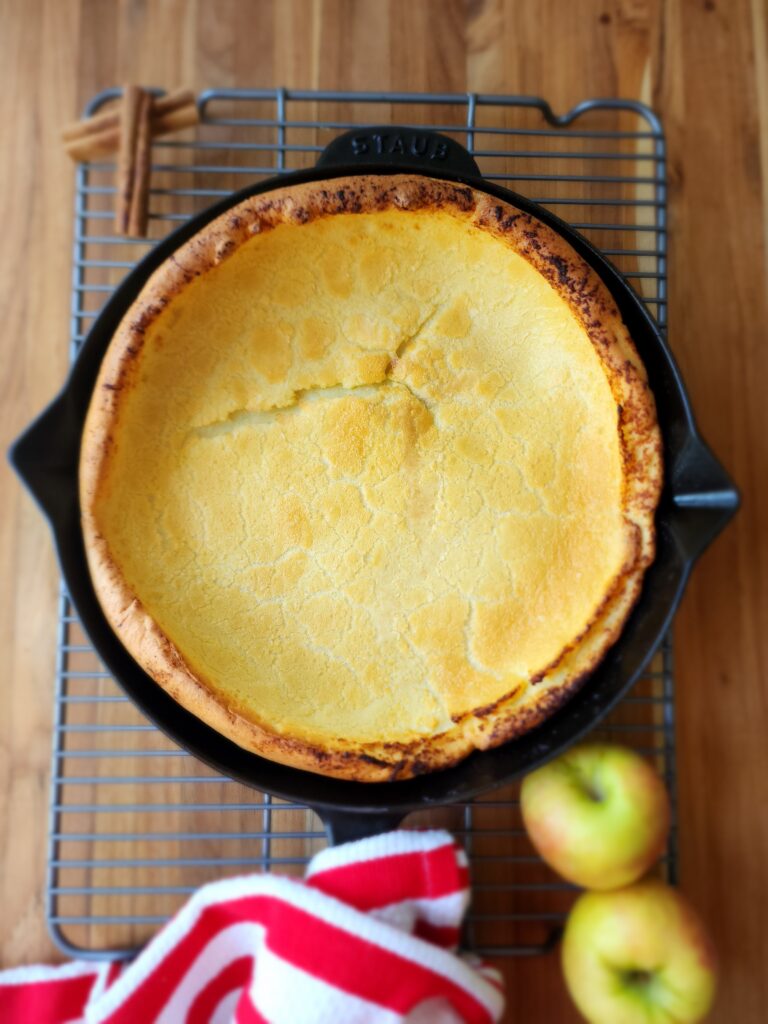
{"x":426,"y":146}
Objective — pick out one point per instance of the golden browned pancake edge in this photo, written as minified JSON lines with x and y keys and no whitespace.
{"x":639,"y":439}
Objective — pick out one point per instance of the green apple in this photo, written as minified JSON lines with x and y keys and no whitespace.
{"x":638,"y":955}
{"x":599,"y":815}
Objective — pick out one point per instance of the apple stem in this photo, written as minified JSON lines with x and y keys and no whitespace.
{"x":638,"y":977}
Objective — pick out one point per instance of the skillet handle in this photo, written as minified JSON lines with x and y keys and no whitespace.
{"x":45,"y":457}
{"x":346,"y":826}
{"x":391,"y":146}
{"x":704,"y":497}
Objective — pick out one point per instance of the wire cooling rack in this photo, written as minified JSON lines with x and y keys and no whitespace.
{"x":136,"y":823}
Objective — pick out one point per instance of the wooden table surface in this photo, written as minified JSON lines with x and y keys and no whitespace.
{"x":702,"y":65}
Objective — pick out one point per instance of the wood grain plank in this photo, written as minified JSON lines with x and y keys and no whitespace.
{"x":34,"y":263}
{"x":718,"y":330}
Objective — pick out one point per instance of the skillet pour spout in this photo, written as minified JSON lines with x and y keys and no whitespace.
{"x":698,"y":500}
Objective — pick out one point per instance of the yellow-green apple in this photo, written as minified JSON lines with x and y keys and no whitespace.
{"x":599,"y":815}
{"x":638,"y":955}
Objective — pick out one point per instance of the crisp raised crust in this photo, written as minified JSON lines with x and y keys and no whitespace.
{"x":470,"y":725}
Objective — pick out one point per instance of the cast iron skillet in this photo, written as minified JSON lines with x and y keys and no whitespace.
{"x":698,"y":500}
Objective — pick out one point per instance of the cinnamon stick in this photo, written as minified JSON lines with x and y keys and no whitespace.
{"x":139,"y":214}
{"x":94,"y":145}
{"x":174,"y":120}
{"x":133,"y":162}
{"x":108,"y":119}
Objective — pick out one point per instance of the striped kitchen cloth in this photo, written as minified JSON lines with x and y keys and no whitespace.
{"x":368,"y":937}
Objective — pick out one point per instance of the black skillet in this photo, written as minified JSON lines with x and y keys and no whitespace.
{"x":698,"y":500}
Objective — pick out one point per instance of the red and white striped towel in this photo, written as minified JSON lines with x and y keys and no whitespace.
{"x":369,"y":936}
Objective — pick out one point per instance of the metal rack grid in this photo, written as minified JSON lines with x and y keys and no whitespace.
{"x":136,"y":823}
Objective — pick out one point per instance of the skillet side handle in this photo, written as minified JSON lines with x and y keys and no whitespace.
{"x":346,"y":826}
{"x":46,"y":456}
{"x":704,"y":497}
{"x":399,"y":148}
